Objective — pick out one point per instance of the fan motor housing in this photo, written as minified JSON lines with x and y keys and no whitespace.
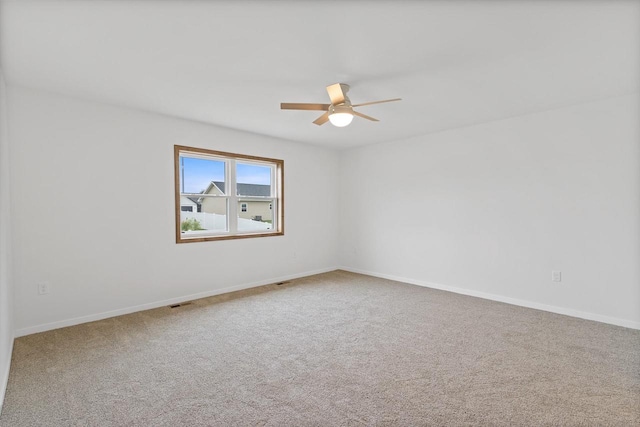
{"x":342,"y":108}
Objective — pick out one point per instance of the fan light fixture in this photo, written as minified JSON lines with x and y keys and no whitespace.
{"x":340,"y":119}
{"x":340,"y":115}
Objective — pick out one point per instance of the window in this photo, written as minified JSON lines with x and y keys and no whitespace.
{"x":230,"y":196}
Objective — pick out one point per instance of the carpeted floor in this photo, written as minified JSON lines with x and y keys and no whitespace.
{"x":332,"y":349}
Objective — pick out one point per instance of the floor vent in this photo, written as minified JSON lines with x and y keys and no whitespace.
{"x":180,"y":305}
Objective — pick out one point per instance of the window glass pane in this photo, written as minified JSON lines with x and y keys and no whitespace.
{"x":201,"y":175}
{"x":253,"y":180}
{"x":199,"y":214}
{"x":255,"y":215}
{"x":213,"y":217}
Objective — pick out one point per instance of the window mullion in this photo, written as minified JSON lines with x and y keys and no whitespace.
{"x":275,"y":191}
{"x":233,"y":198}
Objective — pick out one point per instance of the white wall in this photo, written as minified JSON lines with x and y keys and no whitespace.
{"x":72,"y":161}
{"x":492,"y":209}
{"x":6,"y":303}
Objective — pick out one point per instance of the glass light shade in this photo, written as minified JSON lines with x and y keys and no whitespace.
{"x":340,"y":119}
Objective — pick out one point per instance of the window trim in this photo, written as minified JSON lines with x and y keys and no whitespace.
{"x":278,"y":182}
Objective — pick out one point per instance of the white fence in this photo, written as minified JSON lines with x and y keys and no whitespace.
{"x":210,"y":221}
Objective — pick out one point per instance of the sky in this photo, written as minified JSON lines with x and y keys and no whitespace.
{"x":198,"y":173}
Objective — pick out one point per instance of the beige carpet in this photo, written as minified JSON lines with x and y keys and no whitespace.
{"x":333,"y":349}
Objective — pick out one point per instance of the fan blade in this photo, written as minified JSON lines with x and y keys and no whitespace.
{"x":337,"y":93}
{"x":322,"y":119}
{"x":377,"y":102}
{"x":364,"y":116}
{"x":298,"y":106}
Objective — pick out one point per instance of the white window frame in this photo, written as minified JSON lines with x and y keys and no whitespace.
{"x":276,"y":197}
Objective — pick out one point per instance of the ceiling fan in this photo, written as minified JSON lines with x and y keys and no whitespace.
{"x":340,"y":112}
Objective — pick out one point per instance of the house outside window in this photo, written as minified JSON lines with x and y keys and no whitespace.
{"x":223,"y":195}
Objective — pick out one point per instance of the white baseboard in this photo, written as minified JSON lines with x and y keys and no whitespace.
{"x":523,"y":303}
{"x":127,"y":310}
{"x":4,"y":376}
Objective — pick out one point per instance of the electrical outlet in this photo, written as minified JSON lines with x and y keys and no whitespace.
{"x":44,"y":288}
{"x":556,"y":276}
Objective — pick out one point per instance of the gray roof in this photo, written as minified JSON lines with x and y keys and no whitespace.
{"x":259,"y":190}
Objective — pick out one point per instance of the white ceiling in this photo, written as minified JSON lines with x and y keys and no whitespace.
{"x":231,"y":63}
